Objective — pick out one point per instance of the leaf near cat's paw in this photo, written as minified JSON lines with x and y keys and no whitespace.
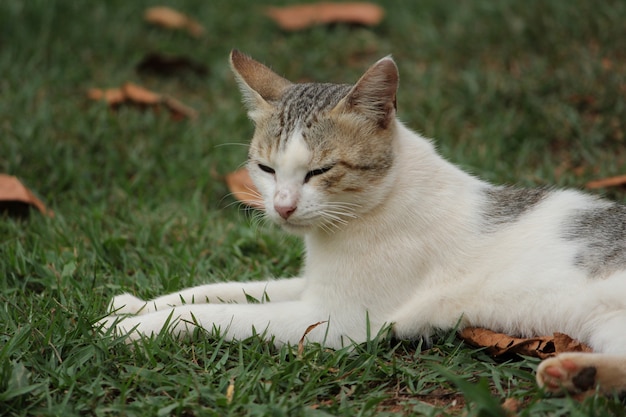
{"x":306,"y":15}
{"x":499,"y":344}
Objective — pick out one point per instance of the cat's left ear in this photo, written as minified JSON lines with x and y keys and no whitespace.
{"x":374,"y":95}
{"x":258,"y":84}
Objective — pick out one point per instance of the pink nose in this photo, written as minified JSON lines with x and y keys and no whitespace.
{"x":285,"y":211}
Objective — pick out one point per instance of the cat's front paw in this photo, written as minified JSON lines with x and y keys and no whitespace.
{"x":128,"y":304}
{"x":412,"y":331}
{"x":118,"y":326}
{"x":566,"y":373}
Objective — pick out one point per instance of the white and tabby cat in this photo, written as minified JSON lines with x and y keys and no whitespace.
{"x":397,"y":235}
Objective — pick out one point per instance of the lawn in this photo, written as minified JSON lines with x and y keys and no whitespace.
{"x":530,"y":93}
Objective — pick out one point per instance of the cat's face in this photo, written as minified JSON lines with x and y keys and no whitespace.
{"x":320,"y":153}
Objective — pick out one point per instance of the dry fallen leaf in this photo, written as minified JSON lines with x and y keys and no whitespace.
{"x":230,"y":390}
{"x":306,"y":332}
{"x":306,"y":15}
{"x":15,"y":198}
{"x":178,"y":109}
{"x":130,"y":93}
{"x":607,"y":182}
{"x":140,"y":95}
{"x":113,"y":96}
{"x":241,"y":186}
{"x":498,"y":344}
{"x":173,"y":19}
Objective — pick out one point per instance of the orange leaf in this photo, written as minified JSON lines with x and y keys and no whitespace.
{"x":173,"y":19}
{"x":498,"y":344}
{"x":178,"y":109}
{"x":607,"y":182}
{"x":140,"y":95}
{"x":112,"y":96}
{"x":15,"y":198}
{"x":240,"y":184}
{"x":307,"y":15}
{"x":134,"y":94}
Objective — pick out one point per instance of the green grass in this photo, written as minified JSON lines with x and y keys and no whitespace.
{"x":531,"y":93}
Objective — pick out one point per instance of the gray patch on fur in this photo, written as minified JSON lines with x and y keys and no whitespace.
{"x":302,"y":104}
{"x":508,"y":204}
{"x":603,"y":233}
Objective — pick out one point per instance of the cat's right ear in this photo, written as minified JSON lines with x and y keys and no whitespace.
{"x":259,"y":85}
{"x":374,"y":95}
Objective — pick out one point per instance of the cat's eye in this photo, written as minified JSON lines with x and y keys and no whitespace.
{"x":316,"y":172}
{"x":267,"y":169}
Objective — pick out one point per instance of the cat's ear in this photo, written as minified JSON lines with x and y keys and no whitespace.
{"x":258,"y":84}
{"x":374,"y":95}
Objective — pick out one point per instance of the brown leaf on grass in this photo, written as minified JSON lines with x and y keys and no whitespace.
{"x":134,"y":94}
{"x":306,"y":15}
{"x":140,"y":95}
{"x":240,"y":184}
{"x":498,"y":344}
{"x":306,"y":332}
{"x":173,"y":19}
{"x":619,"y":180}
{"x":16,"y":199}
{"x":179,"y":110}
{"x":113,"y":96}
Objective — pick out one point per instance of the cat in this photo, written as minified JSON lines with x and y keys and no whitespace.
{"x":397,"y":236}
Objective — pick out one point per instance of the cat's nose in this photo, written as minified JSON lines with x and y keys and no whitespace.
{"x":285,"y":211}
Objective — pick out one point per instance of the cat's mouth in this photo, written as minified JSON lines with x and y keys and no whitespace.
{"x":295,"y":226}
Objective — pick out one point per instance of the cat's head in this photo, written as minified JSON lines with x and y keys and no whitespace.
{"x":321,"y":154}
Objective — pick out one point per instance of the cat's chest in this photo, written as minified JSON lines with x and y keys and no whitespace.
{"x":363,"y":262}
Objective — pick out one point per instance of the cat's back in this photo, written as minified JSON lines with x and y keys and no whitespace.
{"x":565,"y":231}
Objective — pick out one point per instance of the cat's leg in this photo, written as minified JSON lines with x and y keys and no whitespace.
{"x":580,"y":372}
{"x":227,"y":292}
{"x":285,"y":322}
{"x":437,"y":308}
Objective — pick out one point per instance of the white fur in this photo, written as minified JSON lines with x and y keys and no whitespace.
{"x":419,"y":260}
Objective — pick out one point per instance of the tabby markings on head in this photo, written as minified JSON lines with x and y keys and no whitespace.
{"x":302,"y":104}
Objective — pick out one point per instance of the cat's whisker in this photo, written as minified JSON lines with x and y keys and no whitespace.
{"x":334,"y":219}
{"x":258,"y":221}
{"x":252,"y":202}
{"x":343,"y":209}
{"x":340,"y":213}
{"x":339,"y":204}
{"x":326,"y":226}
{"x":331,"y":223}
{"x":221,"y":145}
{"x":335,"y":215}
